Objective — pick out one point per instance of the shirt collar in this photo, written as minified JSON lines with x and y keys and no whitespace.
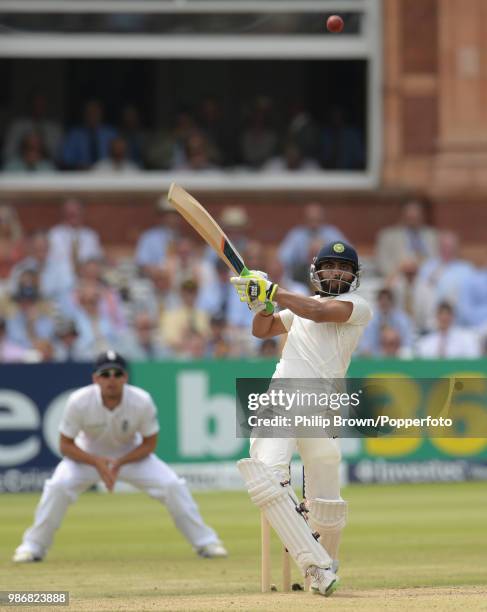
{"x":100,"y":400}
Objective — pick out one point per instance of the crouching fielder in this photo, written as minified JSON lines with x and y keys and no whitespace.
{"x":323,"y":332}
{"x":109,"y":432}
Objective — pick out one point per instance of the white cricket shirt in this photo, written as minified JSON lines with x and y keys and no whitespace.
{"x":112,"y":433}
{"x":321,"y":350}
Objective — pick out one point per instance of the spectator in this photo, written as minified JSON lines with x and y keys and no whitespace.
{"x":212,"y":121}
{"x":219,"y":342}
{"x":387,"y":314}
{"x":142,"y":341}
{"x":132,"y":131}
{"x":161,"y":296}
{"x":301,"y":271}
{"x":11,"y":240}
{"x":302,"y":130}
{"x":166,"y":148}
{"x":155,"y":243}
{"x":117,"y":161}
{"x":186,"y":262}
{"x":10,"y":352}
{"x":55,"y":277}
{"x":31,"y":319}
{"x":449,"y":341}
{"x":254,"y":255}
{"x":275,"y":269}
{"x":184,"y":127}
{"x":235,"y":222}
{"x":32,"y":157}
{"x":96,"y":331}
{"x":410,"y":239}
{"x":403,"y":285}
{"x":67,"y":344}
{"x":43,"y":350}
{"x":84,"y":145}
{"x":176,"y":324}
{"x":292,"y":160}
{"x":439,"y":279}
{"x":472,"y":305}
{"x":294,"y":249}
{"x":342,"y":145}
{"x":193,"y":346}
{"x":259,"y":140}
{"x":196,"y":153}
{"x":391,"y":344}
{"x":71,"y":241}
{"x":50,"y":131}
{"x":110,"y":304}
{"x":221,"y":301}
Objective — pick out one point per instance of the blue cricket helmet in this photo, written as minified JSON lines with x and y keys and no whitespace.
{"x":341,"y":251}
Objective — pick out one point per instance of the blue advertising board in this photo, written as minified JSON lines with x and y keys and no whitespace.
{"x":32,"y":398}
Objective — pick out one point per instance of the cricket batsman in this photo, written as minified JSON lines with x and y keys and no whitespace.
{"x":109,"y":432}
{"x":323,"y":332}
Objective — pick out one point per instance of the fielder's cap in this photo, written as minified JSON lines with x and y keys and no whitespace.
{"x":338,"y":250}
{"x":234,"y":217}
{"x":110,"y":360}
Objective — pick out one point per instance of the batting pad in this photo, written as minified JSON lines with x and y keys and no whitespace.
{"x":328,"y":518}
{"x":279,"y":505}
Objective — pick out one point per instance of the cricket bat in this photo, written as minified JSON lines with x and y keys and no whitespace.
{"x":201,"y":220}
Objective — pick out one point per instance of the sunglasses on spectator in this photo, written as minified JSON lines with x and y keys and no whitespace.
{"x":110,"y":373}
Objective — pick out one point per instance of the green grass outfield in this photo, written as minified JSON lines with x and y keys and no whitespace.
{"x":121,"y":552}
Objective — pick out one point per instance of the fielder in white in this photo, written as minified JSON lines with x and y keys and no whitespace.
{"x":323,"y":332}
{"x":109,"y":432}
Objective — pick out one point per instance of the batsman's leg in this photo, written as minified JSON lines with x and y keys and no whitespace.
{"x":62,"y":489}
{"x":281,"y":508}
{"x":327,"y":510}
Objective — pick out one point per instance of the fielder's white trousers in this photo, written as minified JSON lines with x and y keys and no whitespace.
{"x":151,"y":475}
{"x":321,"y":459}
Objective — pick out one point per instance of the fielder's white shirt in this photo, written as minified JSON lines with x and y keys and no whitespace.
{"x":322,"y":350}
{"x":111,"y":433}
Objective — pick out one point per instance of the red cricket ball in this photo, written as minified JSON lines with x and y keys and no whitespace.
{"x":334,"y":23}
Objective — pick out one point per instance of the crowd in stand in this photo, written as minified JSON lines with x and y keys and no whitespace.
{"x":62,"y":299}
{"x":199,"y":140}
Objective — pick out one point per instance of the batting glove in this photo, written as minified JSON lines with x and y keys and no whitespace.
{"x":254,"y":288}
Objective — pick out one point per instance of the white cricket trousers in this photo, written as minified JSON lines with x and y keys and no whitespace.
{"x":151,"y":475}
{"x":321,"y":459}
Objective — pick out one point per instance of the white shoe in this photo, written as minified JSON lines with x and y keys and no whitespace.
{"x":212,"y":551}
{"x":25,"y":556}
{"x":324,"y":581}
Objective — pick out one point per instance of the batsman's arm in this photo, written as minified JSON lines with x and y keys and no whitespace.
{"x":267,"y":325}
{"x":330,"y":311}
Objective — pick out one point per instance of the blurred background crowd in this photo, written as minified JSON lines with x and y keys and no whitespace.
{"x":63,"y":297}
{"x":199,"y":139}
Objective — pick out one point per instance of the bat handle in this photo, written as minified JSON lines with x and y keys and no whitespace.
{"x":269,"y":308}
